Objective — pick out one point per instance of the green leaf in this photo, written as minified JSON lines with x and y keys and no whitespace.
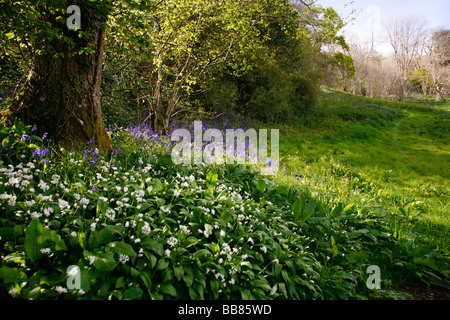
{"x":226,"y":215}
{"x":178,"y":271}
{"x":103,"y":261}
{"x":14,"y":257}
{"x":201,"y":253}
{"x":357,"y":257}
{"x":297,"y":208}
{"x":215,"y":285}
{"x":12,"y":275}
{"x":301,"y":213}
{"x":168,"y":289}
{"x":212,"y":176}
{"x":281,"y":190}
{"x":348,"y":207}
{"x":166,"y":160}
{"x":192,"y":293}
{"x":93,"y":241}
{"x":157,"y":185}
{"x":261,"y":185}
{"x":108,"y":234}
{"x":82,"y":239}
{"x":188,"y":280}
{"x":153,"y":260}
{"x":122,"y":248}
{"x":162,"y":264}
{"x":132,"y":294}
{"x":146,"y":280}
{"x":153,"y":245}
{"x":34,"y":240}
{"x":121,"y":283}
{"x":259,"y":283}
{"x":333,"y":246}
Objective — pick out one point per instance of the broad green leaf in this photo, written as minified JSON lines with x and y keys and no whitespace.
{"x":297,"y":208}
{"x":103,"y":261}
{"x":12,"y":275}
{"x":281,"y":190}
{"x":357,"y":257}
{"x":168,"y":289}
{"x":226,"y":215}
{"x":162,"y":264}
{"x":121,"y":282}
{"x":201,"y":253}
{"x":122,"y":248}
{"x":178,"y":271}
{"x":188,"y":280}
{"x":108,"y":234}
{"x":192,"y":293}
{"x":259,"y":283}
{"x":215,"y":285}
{"x":308,"y":211}
{"x":34,"y":240}
{"x":212,"y":177}
{"x":132,"y":294}
{"x":166,"y":160}
{"x":146,"y":280}
{"x":153,"y":245}
{"x":261,"y":185}
{"x":246,"y":295}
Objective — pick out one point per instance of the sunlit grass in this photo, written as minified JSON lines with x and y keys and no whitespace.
{"x":372,"y":151}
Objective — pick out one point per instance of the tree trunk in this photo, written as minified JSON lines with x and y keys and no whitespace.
{"x":439,"y":93}
{"x":62,"y":94}
{"x":401,"y":93}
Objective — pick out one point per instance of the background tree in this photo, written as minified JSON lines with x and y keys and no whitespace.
{"x":62,"y":92}
{"x":406,"y":36}
{"x":151,"y":61}
{"x":437,"y":61}
{"x":263,"y":58}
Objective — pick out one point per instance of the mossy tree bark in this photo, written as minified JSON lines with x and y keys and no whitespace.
{"x":62,"y":94}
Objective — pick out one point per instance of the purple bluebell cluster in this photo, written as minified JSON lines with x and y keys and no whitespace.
{"x":116,"y":152}
{"x":144,"y":131}
{"x":41,"y":153}
{"x":148,"y":137}
{"x":91,"y":154}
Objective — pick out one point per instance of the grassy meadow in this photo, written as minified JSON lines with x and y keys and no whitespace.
{"x":377,"y":153}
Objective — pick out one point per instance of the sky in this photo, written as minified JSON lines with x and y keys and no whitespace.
{"x":371,"y":14}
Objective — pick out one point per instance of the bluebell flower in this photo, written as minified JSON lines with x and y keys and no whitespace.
{"x":39,"y":153}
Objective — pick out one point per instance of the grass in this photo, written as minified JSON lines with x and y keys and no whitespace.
{"x":377,"y":152}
